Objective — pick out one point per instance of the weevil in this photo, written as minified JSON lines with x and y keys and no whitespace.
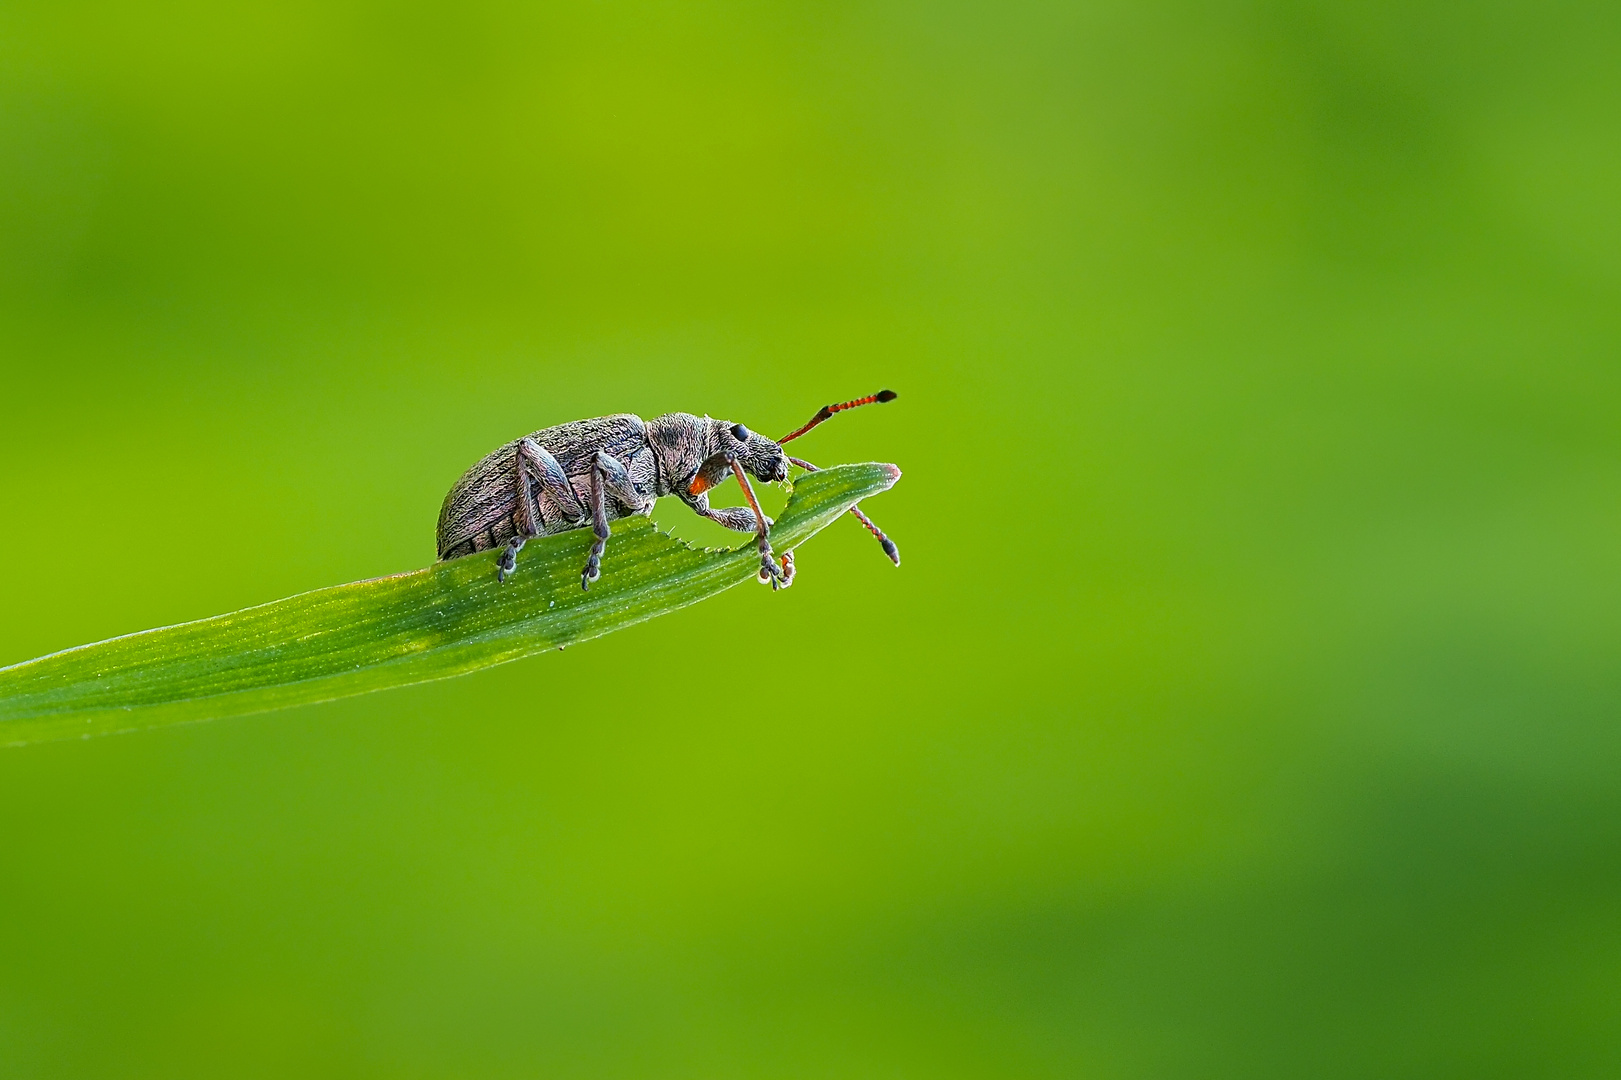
{"x":590,"y":472}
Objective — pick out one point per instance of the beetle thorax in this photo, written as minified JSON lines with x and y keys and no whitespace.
{"x":682,"y":443}
{"x":700,"y":449}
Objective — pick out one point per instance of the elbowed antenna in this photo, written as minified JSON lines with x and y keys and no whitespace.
{"x":885,"y":542}
{"x":826,"y":412}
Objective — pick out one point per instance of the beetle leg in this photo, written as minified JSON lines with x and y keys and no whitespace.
{"x":616,"y":480}
{"x":599,"y":526}
{"x":736,"y":518}
{"x":528,"y":512}
{"x":608,"y":477}
{"x":507,"y":561}
{"x":787,"y":562}
{"x":528,"y":517}
{"x":532,"y":462}
{"x":769,"y":570}
{"x":741,"y":519}
{"x":555,"y":491}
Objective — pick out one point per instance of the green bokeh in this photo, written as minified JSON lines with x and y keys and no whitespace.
{"x":1248,"y":703}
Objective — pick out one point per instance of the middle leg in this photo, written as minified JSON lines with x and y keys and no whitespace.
{"x":599,"y":526}
{"x":616,"y":482}
{"x":609,"y":477}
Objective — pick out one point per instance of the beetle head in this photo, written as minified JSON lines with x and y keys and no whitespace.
{"x":763,"y":458}
{"x":728,"y":441}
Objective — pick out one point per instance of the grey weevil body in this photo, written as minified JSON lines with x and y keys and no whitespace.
{"x":590,"y":472}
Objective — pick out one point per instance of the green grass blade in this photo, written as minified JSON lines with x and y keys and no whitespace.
{"x":447,"y":619}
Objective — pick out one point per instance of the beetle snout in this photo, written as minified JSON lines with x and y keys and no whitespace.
{"x":767,"y":466}
{"x":764,"y":459}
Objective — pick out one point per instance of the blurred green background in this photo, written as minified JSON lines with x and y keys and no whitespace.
{"x":1247,"y":704}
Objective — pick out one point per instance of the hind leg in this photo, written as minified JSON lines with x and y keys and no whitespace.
{"x":528,"y":514}
{"x":533,"y":465}
{"x":507,"y":561}
{"x":558,"y":505}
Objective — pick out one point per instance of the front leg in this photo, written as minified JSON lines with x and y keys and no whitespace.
{"x":736,"y":518}
{"x":741,"y":519}
{"x":780,"y":577}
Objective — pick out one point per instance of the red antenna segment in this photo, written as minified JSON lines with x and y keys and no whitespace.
{"x":826,"y":412}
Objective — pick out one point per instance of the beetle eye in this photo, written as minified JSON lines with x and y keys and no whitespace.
{"x":740,"y":433}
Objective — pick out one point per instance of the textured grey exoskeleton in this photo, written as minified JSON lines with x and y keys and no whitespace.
{"x":591,"y":472}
